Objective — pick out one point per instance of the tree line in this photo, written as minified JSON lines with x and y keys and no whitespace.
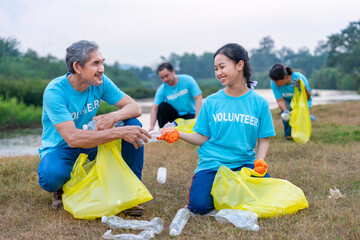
{"x":334,"y":64}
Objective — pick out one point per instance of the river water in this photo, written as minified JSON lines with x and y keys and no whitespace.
{"x":27,"y":141}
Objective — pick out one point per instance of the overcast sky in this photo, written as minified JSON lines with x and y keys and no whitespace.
{"x":139,"y":32}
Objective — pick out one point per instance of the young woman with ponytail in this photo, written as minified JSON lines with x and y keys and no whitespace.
{"x":230,"y":124}
{"x":284,"y":81}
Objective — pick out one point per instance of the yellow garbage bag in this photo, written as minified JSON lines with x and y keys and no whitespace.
{"x":185,"y":125}
{"x":300,"y":121}
{"x":268,"y":197}
{"x":103,"y":187}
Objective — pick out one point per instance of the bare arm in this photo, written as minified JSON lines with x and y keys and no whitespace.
{"x":153,"y":115}
{"x":128,"y":108}
{"x":193,"y":138}
{"x":308,"y":94}
{"x":199,"y":101}
{"x":282,"y":104}
{"x":263,"y":147}
{"x":86,"y":139}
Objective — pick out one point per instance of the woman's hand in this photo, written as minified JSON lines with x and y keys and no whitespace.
{"x":169,"y":135}
{"x":260,"y":166}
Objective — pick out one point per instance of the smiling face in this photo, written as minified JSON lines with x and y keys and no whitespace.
{"x":91,"y":73}
{"x":227,"y":71}
{"x":168,"y":77}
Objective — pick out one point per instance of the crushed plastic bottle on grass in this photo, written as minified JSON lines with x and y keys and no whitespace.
{"x":242,"y":219}
{"x":155,"y":226}
{"x":144,"y":235}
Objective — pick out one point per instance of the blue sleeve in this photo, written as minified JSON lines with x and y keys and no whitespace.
{"x":55,"y":106}
{"x":159,"y":95}
{"x":266,"y":127}
{"x":202,"y":125}
{"x":111,"y":94}
{"x":194,"y":87}
{"x":306,"y":83}
{"x":276,"y":90}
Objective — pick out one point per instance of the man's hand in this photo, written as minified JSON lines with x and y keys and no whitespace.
{"x":260,"y":166}
{"x":296,"y":83}
{"x":169,"y":135}
{"x":133,"y":134}
{"x":285,"y":115}
{"x":105,"y":121}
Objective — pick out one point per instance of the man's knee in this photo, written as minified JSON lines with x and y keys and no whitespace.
{"x":52,"y":181}
{"x":132,"y":122}
{"x":164,"y":106}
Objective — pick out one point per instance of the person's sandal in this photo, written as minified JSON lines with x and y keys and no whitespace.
{"x":57,"y":200}
{"x":288,"y":138}
{"x":136,"y":211}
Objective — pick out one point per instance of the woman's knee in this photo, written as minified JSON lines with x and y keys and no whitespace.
{"x":200,"y":206}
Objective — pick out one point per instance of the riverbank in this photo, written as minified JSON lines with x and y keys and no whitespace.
{"x":27,"y":141}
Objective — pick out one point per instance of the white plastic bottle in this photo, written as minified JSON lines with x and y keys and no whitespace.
{"x":92,"y":124}
{"x":157,"y":133}
{"x":179,"y":221}
{"x":161,"y":175}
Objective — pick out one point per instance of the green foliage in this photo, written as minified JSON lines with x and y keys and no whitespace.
{"x":263,"y":58}
{"x":262,"y":79}
{"x":122,"y":78}
{"x":16,"y":114}
{"x":105,"y":108}
{"x":344,"y":52}
{"x":196,"y":66}
{"x":140,"y":92}
{"x":326,"y":78}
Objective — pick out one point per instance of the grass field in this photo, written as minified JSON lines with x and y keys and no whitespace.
{"x":330,"y":159}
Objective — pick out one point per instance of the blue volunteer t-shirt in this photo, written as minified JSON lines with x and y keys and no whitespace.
{"x":181,"y":96}
{"x":61,"y":103}
{"x":288,"y":91}
{"x":233,"y":125}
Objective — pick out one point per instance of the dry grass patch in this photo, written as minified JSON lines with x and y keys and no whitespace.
{"x":329,"y":159}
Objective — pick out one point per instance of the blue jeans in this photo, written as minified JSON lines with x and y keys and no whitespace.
{"x":55,"y":167}
{"x":201,"y":201}
{"x":287,"y":127}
